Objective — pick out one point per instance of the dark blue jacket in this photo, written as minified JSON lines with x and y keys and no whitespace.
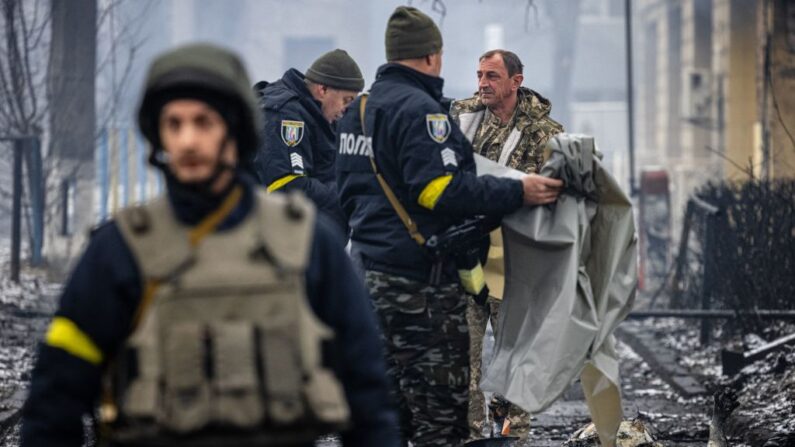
{"x":103,"y":293}
{"x":415,"y":142}
{"x":298,"y":141}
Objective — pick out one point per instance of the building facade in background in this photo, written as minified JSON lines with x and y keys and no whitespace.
{"x":710,"y":104}
{"x":710,"y":98}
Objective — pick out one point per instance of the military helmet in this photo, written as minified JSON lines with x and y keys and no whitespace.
{"x":208,"y":73}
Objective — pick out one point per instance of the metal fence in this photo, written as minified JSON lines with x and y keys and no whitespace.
{"x":123,"y":174}
{"x":737,"y":252}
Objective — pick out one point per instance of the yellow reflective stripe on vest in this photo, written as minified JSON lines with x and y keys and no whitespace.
{"x":282,"y":181}
{"x":64,"y":334}
{"x":430,"y":195}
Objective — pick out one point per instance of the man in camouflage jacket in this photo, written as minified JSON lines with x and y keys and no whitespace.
{"x":509,"y":124}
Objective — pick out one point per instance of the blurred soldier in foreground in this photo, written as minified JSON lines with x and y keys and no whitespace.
{"x":508,"y":124}
{"x":216,"y":315}
{"x":406,"y":176}
{"x":298,"y":152}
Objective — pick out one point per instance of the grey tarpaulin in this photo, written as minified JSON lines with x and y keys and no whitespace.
{"x":570,"y":277}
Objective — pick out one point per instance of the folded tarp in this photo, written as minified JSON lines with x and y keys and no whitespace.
{"x":570,"y":278}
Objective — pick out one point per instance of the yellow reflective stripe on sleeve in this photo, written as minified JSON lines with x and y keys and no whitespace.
{"x":64,"y":334}
{"x":282,"y":181}
{"x":430,"y":195}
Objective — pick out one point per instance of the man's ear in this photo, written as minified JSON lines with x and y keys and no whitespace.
{"x":230,"y":152}
{"x":321,"y":91}
{"x":517,"y":81}
{"x":318,"y":91}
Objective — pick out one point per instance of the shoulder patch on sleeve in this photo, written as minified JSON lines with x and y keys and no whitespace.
{"x":292,"y":132}
{"x":438,"y":125}
{"x":297,"y":163}
{"x":449,"y":158}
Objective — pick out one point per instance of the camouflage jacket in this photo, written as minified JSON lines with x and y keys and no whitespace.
{"x":519,"y":143}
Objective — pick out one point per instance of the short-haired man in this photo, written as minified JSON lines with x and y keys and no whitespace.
{"x":426,"y":168}
{"x":298,"y":150}
{"x":508,"y":124}
{"x":217,"y":314}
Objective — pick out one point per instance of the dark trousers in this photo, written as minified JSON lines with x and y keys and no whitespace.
{"x":425,"y":333}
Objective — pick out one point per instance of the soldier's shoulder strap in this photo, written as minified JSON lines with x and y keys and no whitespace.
{"x":286,"y":224}
{"x":158,"y":241}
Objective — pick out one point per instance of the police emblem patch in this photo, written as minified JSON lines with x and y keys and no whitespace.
{"x":292,"y":132}
{"x":438,"y":126}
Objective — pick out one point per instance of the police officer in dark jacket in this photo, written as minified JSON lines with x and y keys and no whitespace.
{"x":298,"y":150}
{"x":427,"y":162}
{"x":218,"y":314}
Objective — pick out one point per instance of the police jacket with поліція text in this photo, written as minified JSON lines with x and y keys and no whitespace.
{"x":426,"y":161}
{"x":297,"y":151}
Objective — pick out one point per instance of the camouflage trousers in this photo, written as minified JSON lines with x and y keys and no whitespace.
{"x":424,"y":331}
{"x":477,"y":318}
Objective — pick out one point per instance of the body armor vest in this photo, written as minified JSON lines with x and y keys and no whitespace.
{"x":228,"y":352}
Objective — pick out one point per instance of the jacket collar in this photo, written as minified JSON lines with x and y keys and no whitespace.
{"x":294,"y":80}
{"x":191,"y":205}
{"x":529,"y":103}
{"x":430,"y":84}
{"x":532,"y":104}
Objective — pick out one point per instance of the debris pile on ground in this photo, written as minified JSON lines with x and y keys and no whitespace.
{"x":19,"y":304}
{"x":632,"y":433}
{"x":683,"y":337}
{"x":758,"y":403}
{"x":764,"y":394}
{"x":25,"y":309}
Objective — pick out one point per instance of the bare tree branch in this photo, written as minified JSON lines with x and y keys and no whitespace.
{"x":437,"y":6}
{"x":21,"y":75}
{"x":748,"y":170}
{"x":7,"y":112}
{"x":104,"y":13}
{"x":124,"y":42}
{"x":27,"y":73}
{"x":7,"y":81}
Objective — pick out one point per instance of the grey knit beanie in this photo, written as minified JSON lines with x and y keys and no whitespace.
{"x":411,"y":34}
{"x":336,"y":69}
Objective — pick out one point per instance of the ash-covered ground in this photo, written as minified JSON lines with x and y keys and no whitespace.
{"x":760,"y":411}
{"x":25,"y":310}
{"x":669,"y":418}
{"x":760,"y":404}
